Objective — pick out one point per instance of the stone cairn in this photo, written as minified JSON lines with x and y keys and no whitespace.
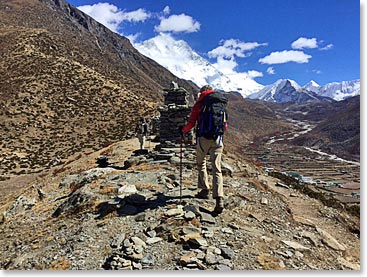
{"x":174,"y":113}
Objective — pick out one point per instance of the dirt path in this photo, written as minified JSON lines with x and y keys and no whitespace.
{"x":311,"y":212}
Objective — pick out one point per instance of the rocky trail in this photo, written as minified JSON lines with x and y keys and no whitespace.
{"x":129,"y":215}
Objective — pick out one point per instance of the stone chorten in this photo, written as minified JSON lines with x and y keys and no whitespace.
{"x":174,"y":113}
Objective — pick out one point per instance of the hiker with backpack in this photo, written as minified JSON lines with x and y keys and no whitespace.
{"x":142,"y":131}
{"x":209,"y":112}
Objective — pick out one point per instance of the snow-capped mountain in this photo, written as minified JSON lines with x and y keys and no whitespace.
{"x":340,"y":90}
{"x":285,"y":90}
{"x":179,"y":58}
{"x":312,"y":86}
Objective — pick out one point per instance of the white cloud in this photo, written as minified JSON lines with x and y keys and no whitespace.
{"x":133,"y":38}
{"x":302,"y":43}
{"x":233,"y":47}
{"x":285,"y":57}
{"x":166,"y":10}
{"x":253,"y":74}
{"x":327,"y":47}
{"x":227,"y":53}
{"x":111,"y":16}
{"x":178,"y":23}
{"x":226,"y":66}
{"x":316,"y":71}
{"x":270,"y":71}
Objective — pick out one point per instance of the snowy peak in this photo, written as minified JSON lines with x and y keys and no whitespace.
{"x":336,"y":90}
{"x":179,"y":58}
{"x":312,"y":86}
{"x":342,"y":90}
{"x":285,"y":90}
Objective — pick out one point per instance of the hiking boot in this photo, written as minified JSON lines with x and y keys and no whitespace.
{"x":203,"y":194}
{"x":219,"y":206}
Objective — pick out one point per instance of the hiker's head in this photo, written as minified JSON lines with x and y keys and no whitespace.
{"x":206,"y":87}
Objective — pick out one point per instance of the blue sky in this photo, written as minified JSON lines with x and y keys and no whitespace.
{"x":301,"y":40}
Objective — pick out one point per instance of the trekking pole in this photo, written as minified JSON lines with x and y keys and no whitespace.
{"x":180,"y":168}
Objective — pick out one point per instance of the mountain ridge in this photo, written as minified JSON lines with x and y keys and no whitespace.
{"x":285,"y":90}
{"x":191,"y":66}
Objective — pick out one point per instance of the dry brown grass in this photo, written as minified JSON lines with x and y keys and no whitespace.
{"x":108,"y":190}
{"x":60,"y":264}
{"x":147,"y":167}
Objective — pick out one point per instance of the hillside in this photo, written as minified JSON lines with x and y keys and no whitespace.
{"x":250,"y":121}
{"x":337,"y":130}
{"x":68,"y":85}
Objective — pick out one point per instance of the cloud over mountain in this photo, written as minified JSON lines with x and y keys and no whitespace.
{"x":111,"y":16}
{"x":178,"y":23}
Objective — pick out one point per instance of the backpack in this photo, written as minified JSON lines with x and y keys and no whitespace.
{"x":144,"y":128}
{"x":213,"y":116}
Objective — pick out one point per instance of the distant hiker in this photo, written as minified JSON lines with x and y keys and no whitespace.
{"x":142,"y":131}
{"x":209,"y":111}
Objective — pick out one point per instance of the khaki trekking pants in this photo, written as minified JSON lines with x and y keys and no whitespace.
{"x":215,"y":149}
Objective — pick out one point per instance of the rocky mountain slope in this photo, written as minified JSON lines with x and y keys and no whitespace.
{"x":133,"y":215}
{"x":68,"y":85}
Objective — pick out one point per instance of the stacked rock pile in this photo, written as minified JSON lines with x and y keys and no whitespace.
{"x":174,"y":113}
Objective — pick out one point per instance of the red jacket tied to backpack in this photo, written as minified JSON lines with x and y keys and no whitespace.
{"x":194,"y":116}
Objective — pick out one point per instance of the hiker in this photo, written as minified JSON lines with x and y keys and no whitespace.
{"x":209,"y":141}
{"x":142,"y":131}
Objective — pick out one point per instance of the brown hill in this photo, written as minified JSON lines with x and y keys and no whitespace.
{"x":251,"y":121}
{"x":338,"y":127}
{"x":68,"y":84}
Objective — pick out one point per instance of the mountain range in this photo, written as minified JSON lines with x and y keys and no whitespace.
{"x":284,"y":91}
{"x":190,"y":65}
{"x":336,"y":90}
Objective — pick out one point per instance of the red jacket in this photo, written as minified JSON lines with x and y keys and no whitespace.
{"x":194,"y":116}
